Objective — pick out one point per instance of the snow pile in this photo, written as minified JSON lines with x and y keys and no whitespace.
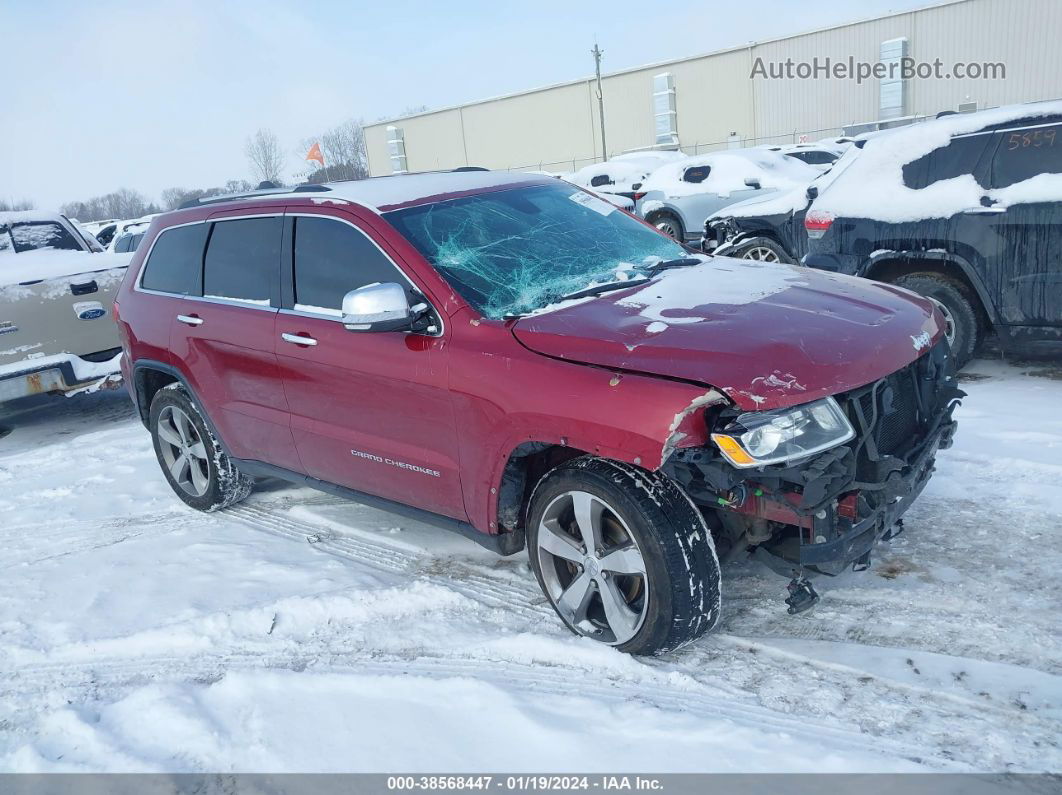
{"x":729,"y":171}
{"x":873,"y":184}
{"x":299,"y":632}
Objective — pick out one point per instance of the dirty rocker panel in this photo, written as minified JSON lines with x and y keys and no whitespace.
{"x":503,"y":544}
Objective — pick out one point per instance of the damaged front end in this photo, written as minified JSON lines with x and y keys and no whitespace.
{"x":825,"y":510}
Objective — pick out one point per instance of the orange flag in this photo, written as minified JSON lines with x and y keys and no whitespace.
{"x":315,"y":154}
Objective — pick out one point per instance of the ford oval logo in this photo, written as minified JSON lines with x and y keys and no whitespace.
{"x":89,"y":310}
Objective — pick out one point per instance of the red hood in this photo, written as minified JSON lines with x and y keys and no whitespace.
{"x":767,"y":335}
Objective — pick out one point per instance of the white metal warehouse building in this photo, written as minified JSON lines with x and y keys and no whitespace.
{"x":713,"y":101}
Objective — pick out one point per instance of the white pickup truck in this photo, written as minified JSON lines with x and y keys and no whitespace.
{"x":57,"y":287}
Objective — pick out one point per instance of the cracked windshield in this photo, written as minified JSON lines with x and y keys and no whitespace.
{"x":513,"y":251}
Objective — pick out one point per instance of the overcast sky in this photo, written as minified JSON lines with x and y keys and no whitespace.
{"x":146,"y":95}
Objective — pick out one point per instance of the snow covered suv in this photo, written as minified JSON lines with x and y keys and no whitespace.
{"x":965,"y":209}
{"x":515,"y":359}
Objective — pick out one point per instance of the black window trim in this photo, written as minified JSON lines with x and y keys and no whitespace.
{"x":288,"y":258}
{"x":274,"y":288}
{"x":274,"y":303}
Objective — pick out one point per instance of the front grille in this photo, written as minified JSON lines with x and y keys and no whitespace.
{"x":890,"y":407}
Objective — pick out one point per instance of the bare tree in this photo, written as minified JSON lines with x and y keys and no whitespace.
{"x":344,"y":152}
{"x":263,"y":150}
{"x":25,"y":204}
{"x":123,"y":203}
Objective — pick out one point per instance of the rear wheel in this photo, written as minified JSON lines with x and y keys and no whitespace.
{"x":192,"y":461}
{"x":670,"y":225}
{"x":962,"y":323}
{"x":623,"y":556}
{"x":761,"y":249}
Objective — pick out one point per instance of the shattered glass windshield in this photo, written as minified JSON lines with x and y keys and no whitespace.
{"x":513,"y":251}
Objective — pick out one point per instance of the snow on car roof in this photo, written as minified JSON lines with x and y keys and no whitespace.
{"x":28,"y":217}
{"x":873,"y":186}
{"x":729,"y":170}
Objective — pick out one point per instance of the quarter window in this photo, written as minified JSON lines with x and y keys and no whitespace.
{"x":242,"y":259}
{"x":1025,"y":153}
{"x":175,"y":262}
{"x":331,"y":259}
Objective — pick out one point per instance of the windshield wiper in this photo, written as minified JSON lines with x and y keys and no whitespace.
{"x":668,"y":264}
{"x":608,"y":287}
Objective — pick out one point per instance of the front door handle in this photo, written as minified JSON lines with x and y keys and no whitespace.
{"x":298,"y":339}
{"x":190,"y":320}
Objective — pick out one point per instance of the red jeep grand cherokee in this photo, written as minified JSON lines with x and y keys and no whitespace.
{"x":513,"y":358}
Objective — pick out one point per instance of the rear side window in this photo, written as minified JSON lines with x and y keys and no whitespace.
{"x":599,"y":180}
{"x":696,"y":174}
{"x":175,"y":262}
{"x":1022,"y":154}
{"x":243,"y":259}
{"x":959,"y":157}
{"x":814,"y":157}
{"x":121,"y":246}
{"x":50,"y":234}
{"x":331,"y":259}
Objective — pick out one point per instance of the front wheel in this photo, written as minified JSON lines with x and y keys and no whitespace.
{"x":624,"y":556}
{"x":761,"y":249}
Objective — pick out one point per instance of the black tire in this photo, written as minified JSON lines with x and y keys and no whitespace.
{"x":682,"y":596}
{"x":225,"y":483}
{"x":670,"y":224}
{"x":960,"y":310}
{"x":754,"y":248}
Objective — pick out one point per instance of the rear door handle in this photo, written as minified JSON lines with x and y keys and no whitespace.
{"x":190,"y":320}
{"x":298,"y":339}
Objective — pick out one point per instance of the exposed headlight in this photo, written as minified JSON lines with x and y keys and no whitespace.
{"x":771,"y":437}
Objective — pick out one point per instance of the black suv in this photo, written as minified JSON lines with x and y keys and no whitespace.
{"x":966,"y":210}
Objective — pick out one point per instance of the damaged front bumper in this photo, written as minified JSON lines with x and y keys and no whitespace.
{"x":825,"y":513}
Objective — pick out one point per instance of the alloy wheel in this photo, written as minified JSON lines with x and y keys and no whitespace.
{"x":668,"y":228}
{"x":949,"y":321}
{"x":592,"y":567}
{"x":183,"y":451}
{"x":762,"y":254}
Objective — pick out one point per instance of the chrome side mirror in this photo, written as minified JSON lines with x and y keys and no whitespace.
{"x":377,"y":307}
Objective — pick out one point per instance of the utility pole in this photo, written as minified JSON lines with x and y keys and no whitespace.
{"x":597,"y":53}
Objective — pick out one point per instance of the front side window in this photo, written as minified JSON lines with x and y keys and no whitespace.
{"x":331,"y":259}
{"x":175,"y":264}
{"x":46,"y":234}
{"x":516,"y":250}
{"x":243,"y":259}
{"x":1025,"y":153}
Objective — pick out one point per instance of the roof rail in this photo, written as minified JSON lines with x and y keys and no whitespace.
{"x":229,"y":197}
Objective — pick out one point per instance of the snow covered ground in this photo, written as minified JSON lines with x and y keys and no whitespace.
{"x":297,"y":632}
